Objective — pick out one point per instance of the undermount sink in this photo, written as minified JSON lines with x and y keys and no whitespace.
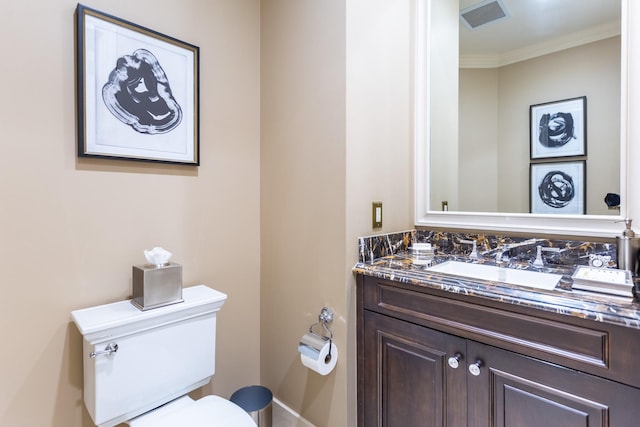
{"x":532,"y":279}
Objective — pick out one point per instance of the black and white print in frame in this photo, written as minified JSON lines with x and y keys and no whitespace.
{"x":137,"y":93}
{"x":558,"y":188}
{"x":558,"y":129}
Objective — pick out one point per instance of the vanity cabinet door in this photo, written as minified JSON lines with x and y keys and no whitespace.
{"x":407,"y":378}
{"x":512,"y":390}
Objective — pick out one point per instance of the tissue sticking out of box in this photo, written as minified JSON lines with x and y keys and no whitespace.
{"x":157,"y":256}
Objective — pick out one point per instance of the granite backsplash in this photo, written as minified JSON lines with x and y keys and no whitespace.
{"x":570,"y":253}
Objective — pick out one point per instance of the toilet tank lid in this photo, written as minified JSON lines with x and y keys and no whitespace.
{"x":119,"y":315}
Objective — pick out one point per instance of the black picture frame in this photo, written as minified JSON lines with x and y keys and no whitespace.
{"x":137,"y":92}
{"x":558,"y":128}
{"x":558,"y":187}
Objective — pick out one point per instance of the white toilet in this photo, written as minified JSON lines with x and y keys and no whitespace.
{"x":140,"y":365}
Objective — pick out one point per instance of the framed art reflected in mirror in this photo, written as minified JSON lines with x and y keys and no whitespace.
{"x":559,"y":128}
{"x":558,"y":187}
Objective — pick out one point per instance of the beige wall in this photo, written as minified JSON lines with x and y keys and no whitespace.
{"x":379,"y":136}
{"x":478,"y":144}
{"x":336,"y":136}
{"x":303,"y":198}
{"x":442,"y":58}
{"x":71,"y":229}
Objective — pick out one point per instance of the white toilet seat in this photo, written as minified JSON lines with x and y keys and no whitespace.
{"x":209,"y":411}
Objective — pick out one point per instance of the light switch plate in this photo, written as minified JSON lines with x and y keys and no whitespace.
{"x":376,"y":214}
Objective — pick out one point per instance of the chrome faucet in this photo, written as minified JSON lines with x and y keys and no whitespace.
{"x":503,"y":253}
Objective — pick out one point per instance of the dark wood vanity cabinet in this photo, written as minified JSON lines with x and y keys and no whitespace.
{"x":405,"y":377}
{"x":519,"y":391}
{"x":428,"y":359}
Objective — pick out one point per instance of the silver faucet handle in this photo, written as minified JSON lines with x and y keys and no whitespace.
{"x":539,"y":262}
{"x":502,"y":258}
{"x":474,"y":249}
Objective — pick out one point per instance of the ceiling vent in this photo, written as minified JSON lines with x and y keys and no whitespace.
{"x":483,"y":13}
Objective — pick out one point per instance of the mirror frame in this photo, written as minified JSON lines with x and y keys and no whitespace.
{"x":581,"y":225}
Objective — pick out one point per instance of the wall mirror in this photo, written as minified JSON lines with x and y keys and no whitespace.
{"x":495,"y":78}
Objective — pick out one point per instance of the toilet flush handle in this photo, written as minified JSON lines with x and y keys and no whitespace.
{"x":110,"y":349}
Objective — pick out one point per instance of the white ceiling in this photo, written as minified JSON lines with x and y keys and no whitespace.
{"x":537,"y":27}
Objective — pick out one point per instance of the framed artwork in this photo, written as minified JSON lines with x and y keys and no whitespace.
{"x":137,"y":92}
{"x":558,"y":129}
{"x":558,"y":188}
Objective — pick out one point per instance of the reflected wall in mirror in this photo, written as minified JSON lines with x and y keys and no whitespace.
{"x":484,"y":80}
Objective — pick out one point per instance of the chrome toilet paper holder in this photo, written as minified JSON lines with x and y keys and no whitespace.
{"x":324,"y":318}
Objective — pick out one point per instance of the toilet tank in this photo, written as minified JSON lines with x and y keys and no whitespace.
{"x":161,"y":354}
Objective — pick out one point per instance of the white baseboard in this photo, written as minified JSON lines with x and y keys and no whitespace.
{"x":283,"y":416}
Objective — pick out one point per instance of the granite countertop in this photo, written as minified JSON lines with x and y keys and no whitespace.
{"x":562,"y":300}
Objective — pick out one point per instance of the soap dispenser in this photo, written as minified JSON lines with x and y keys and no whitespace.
{"x":628,"y":249}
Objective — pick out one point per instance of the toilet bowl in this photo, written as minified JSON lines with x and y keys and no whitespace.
{"x":208,"y":411}
{"x":139,"y":365}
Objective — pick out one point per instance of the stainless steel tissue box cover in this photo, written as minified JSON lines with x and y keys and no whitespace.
{"x":156,"y":286}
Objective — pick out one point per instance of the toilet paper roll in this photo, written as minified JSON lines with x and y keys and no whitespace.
{"x":318,"y":361}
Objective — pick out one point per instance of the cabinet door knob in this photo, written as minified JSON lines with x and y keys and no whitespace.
{"x":474,"y":368}
{"x":454,"y":361}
